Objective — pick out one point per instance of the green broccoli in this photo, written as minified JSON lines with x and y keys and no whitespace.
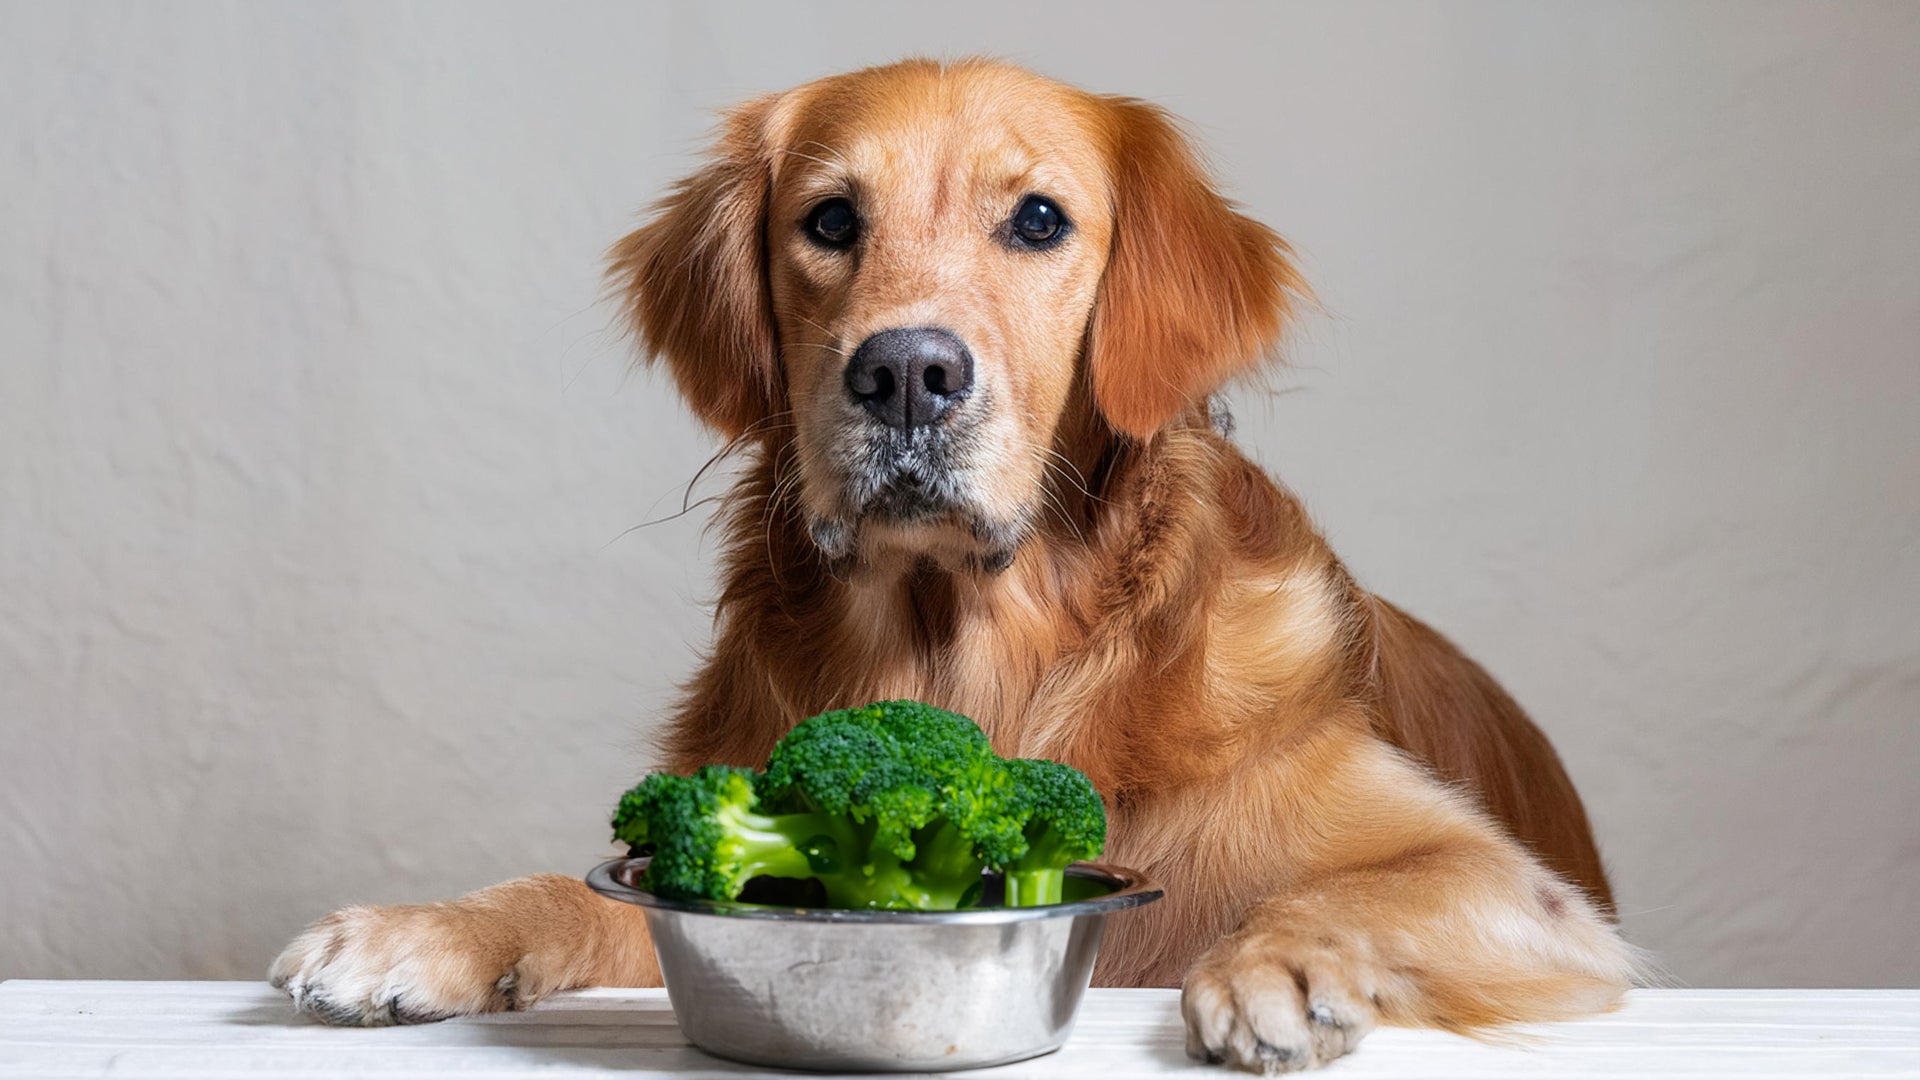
{"x":892,"y":805}
{"x":1065,"y":823}
{"x":708,"y":840}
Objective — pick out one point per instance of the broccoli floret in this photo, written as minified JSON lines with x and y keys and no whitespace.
{"x":892,"y":764}
{"x":1065,"y":822}
{"x":898,"y":770}
{"x":707,"y":838}
{"x":892,"y":805}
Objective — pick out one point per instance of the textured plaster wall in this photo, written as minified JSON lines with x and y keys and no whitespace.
{"x":318,"y":460}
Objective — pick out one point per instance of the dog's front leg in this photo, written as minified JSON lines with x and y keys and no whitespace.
{"x":1444,"y":922}
{"x":503,"y":947}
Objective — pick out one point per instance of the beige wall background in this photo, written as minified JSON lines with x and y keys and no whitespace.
{"x":319,"y":460}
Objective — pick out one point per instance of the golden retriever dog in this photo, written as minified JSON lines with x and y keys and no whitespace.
{"x":964,"y":325}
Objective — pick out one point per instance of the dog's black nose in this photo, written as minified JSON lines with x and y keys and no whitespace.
{"x":910,"y":377}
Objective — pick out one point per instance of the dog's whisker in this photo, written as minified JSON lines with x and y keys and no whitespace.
{"x":1080,"y":478}
{"x":675,"y":516}
{"x":838,"y":158}
{"x":790,"y":152}
{"x":1047,"y":456}
{"x":1053,"y":502}
{"x":830,"y":334}
{"x":783,"y":488}
{"x":842,"y":353}
{"x":771,"y":422}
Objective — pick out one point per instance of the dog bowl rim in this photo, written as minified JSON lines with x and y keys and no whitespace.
{"x":1132,"y":889}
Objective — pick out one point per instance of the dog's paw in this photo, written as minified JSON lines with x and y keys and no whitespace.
{"x":399,"y":965}
{"x":1271,"y":1002}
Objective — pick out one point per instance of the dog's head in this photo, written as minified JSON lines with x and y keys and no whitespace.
{"x":921,"y":274}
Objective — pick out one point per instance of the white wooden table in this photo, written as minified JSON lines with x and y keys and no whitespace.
{"x":227,"y":1029}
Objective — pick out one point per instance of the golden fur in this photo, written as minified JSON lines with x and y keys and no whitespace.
{"x":1355,"y":825}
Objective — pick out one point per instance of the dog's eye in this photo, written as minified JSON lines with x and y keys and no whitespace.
{"x":1038,"y":222}
{"x":833,"y":223}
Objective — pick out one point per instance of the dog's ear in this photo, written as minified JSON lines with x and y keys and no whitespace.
{"x":694,"y":279}
{"x":1194,"y":291}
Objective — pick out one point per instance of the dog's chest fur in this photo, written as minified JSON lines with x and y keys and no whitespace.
{"x":1176,"y":649}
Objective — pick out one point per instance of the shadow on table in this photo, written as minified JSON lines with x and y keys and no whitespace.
{"x":639,"y":1035}
{"x":271,"y":1014}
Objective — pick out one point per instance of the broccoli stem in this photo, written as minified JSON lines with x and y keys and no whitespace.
{"x":855,"y":872}
{"x":830,"y":848}
{"x":1037,"y":877}
{"x":881,"y":879}
{"x":945,"y":867}
{"x":777,"y":845}
{"x":1032,"y":888}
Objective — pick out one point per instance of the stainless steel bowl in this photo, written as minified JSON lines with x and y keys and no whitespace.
{"x":877,"y":991}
